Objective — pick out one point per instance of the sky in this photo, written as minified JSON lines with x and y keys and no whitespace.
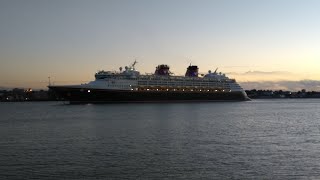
{"x":260,"y":43}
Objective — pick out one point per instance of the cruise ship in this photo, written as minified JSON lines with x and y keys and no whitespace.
{"x":128,"y":85}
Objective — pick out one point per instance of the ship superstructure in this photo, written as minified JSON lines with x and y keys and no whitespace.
{"x":129,"y":85}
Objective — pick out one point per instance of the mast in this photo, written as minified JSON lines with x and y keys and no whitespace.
{"x":215,"y":71}
{"x":134,"y":63}
{"x":49,"y":81}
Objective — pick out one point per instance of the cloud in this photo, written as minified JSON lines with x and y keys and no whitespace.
{"x":310,"y":85}
{"x":262,"y":73}
{"x":268,"y":73}
{"x":267,"y":76}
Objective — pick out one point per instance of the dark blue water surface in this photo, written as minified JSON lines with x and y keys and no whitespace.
{"x":260,"y":139}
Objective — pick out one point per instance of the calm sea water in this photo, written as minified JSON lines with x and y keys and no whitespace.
{"x":261,"y":139}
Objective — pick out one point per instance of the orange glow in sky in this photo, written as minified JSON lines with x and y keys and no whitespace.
{"x":69,"y":41}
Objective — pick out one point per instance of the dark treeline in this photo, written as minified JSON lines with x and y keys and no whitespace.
{"x":261,"y":94}
{"x":18,"y":94}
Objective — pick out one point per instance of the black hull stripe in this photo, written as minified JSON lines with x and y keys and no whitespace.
{"x":76,"y":95}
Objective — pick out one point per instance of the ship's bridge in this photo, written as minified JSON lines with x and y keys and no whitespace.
{"x":129,"y":72}
{"x":215,"y":75}
{"x":104,"y":74}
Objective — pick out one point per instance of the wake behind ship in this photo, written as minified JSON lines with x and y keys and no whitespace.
{"x":129,"y":85}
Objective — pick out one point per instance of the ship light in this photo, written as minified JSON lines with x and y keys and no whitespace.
{"x":131,"y":89}
{"x":157,"y":89}
{"x":200,"y":89}
{"x":182,"y":89}
{"x":223,"y":90}
{"x":148,"y":89}
{"x":191,"y":89}
{"x":215,"y":90}
{"x":208,"y":90}
{"x":89,"y":91}
{"x":167,"y":89}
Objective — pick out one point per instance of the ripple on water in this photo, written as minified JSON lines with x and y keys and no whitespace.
{"x":261,"y":139}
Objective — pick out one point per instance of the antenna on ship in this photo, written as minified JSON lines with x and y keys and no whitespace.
{"x":188,"y":59}
{"x":134,"y":63}
{"x":49,"y":81}
{"x":215,"y":71}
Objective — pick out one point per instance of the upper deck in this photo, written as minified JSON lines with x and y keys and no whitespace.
{"x":130,"y":73}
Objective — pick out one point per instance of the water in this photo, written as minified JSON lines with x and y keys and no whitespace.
{"x":261,"y":139}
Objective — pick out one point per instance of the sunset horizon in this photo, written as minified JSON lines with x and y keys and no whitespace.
{"x":276,"y":42}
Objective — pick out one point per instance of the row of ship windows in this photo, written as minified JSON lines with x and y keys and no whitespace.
{"x":185,"y":84}
{"x":126,"y":86}
{"x":119,"y":85}
{"x":195,"y":85}
{"x":183,"y":80}
{"x":141,"y":83}
{"x":227,"y":87}
{"x":175,"y":79}
{"x":194,"y":90}
{"x":179,"y":84}
{"x":150,"y":83}
{"x":212,"y":89}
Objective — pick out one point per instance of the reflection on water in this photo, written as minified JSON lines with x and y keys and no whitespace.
{"x":261,"y":139}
